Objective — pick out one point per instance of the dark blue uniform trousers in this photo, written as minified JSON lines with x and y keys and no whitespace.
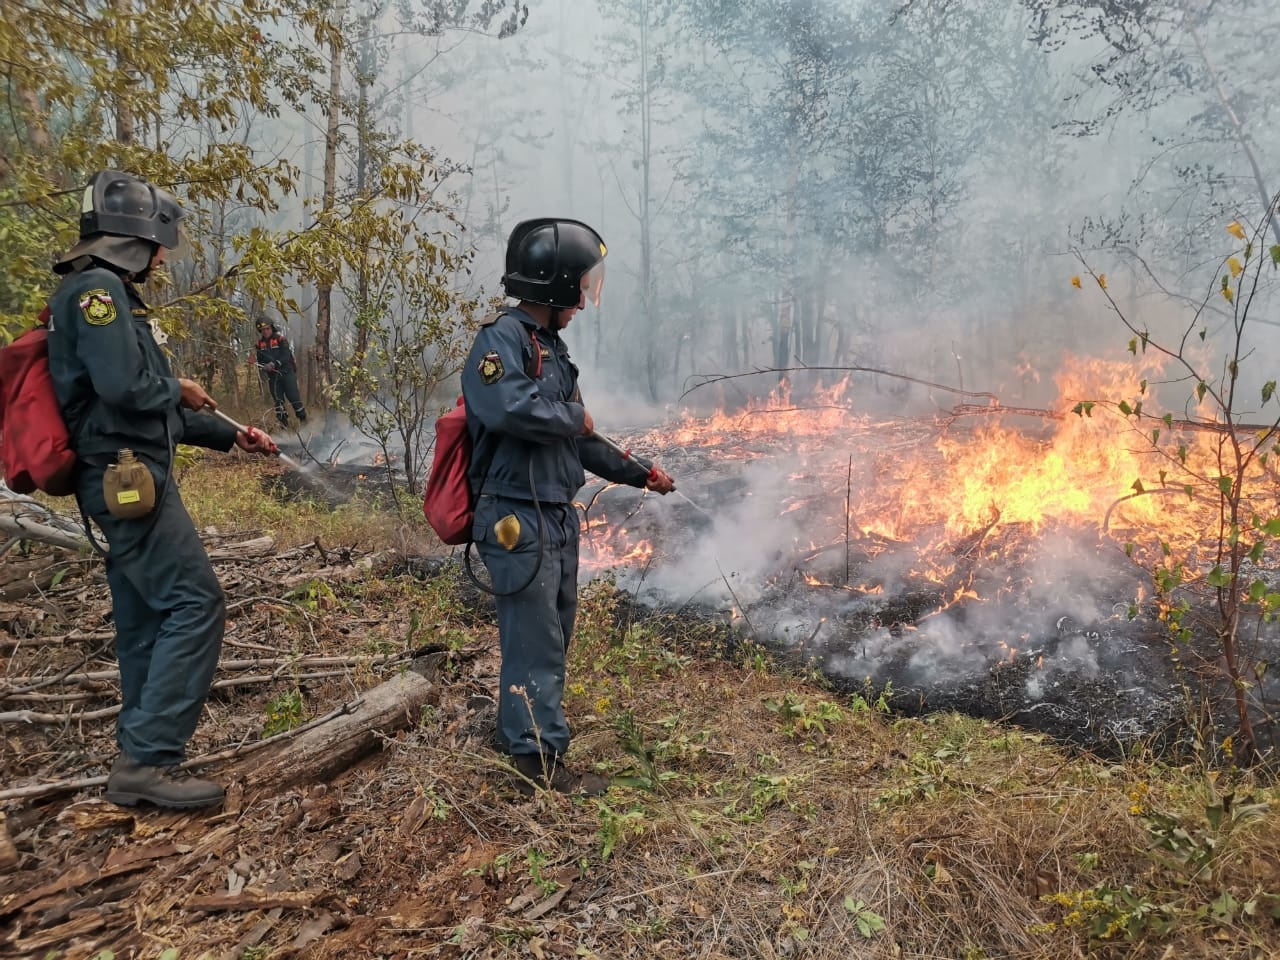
{"x":169,"y":613}
{"x":284,"y":386}
{"x":534,"y":625}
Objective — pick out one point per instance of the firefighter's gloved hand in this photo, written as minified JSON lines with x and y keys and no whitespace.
{"x":254,"y":440}
{"x":273,"y":367}
{"x":659,"y":481}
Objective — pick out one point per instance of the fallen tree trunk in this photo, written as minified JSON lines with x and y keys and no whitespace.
{"x":318,"y":751}
{"x":245,"y":549}
{"x":22,"y":518}
{"x":325,"y":751}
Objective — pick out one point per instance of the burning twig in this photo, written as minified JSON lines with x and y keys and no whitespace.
{"x":333,"y":454}
{"x":620,"y":523}
{"x":814,"y":636}
{"x":993,"y":406}
{"x":973,"y":409}
{"x":1106,"y":518}
{"x":965,"y":547}
{"x":848,"y":516}
{"x":741,"y":607}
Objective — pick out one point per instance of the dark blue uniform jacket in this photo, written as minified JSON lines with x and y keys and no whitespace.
{"x":114,"y":384}
{"x":523,"y":406}
{"x":275,"y":350}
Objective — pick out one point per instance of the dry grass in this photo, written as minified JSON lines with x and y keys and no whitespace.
{"x":757,"y":813}
{"x":771,"y":817}
{"x":789,"y":821}
{"x":230,"y":493}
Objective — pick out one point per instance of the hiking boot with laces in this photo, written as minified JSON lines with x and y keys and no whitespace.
{"x":131,"y":783}
{"x":549,"y":774}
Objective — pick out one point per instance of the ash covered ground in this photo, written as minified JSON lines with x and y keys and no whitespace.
{"x":1051,"y":626}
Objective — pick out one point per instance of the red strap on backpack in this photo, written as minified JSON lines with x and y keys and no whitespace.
{"x":35,"y":446}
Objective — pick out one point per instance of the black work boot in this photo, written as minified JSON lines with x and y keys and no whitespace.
{"x":132,"y":783}
{"x":548,"y":773}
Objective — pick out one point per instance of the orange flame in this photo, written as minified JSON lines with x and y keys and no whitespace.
{"x":949,"y":488}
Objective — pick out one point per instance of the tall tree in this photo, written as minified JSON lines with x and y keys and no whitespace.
{"x":375,"y":140}
{"x":635,"y":45}
{"x":171,"y":69}
{"x":776,"y":88}
{"x":842,"y":142}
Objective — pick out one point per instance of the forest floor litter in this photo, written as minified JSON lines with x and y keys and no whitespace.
{"x":756,"y":812}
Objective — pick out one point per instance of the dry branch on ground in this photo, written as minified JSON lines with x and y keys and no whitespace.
{"x":764,"y":815}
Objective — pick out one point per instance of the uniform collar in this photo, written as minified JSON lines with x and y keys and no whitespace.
{"x":532,"y":324}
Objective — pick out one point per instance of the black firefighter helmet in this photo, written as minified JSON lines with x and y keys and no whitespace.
{"x":547,"y":260}
{"x":121,"y":218}
{"x":128,"y":206}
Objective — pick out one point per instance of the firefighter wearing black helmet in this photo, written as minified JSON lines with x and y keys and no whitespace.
{"x":532,"y":437}
{"x":117,"y":393}
{"x":274,"y":358}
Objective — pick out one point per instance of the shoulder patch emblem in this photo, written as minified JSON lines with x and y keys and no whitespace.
{"x":491,"y":369}
{"x":98,"y":307}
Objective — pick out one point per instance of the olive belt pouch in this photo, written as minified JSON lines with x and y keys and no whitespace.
{"x":128,"y":487}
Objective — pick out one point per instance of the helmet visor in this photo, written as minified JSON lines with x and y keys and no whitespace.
{"x":593,"y":284}
{"x":182,"y":250}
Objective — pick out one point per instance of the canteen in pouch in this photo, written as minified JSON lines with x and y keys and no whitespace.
{"x":129,"y":488}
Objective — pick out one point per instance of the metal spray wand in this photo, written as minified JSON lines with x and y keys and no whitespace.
{"x":284,"y":457}
{"x":647,"y":464}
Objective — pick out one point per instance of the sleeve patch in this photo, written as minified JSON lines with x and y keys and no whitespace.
{"x":98,"y":307}
{"x":490,"y":368}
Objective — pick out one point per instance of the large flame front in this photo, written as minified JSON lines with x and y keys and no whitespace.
{"x":936,"y":481}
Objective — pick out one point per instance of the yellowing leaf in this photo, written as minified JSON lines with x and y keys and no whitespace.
{"x":1234,"y":266}
{"x":1229,"y":294}
{"x":1235,"y":229}
{"x":1102,"y":280}
{"x":1075,"y":282}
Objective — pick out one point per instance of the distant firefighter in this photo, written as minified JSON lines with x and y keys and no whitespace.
{"x":275,"y":360}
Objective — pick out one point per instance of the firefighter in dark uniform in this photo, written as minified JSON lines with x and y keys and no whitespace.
{"x":532,"y":436}
{"x":275,"y":360}
{"x":118,"y":393}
